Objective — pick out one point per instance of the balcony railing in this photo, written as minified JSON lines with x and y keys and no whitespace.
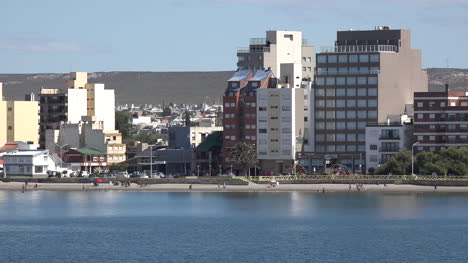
{"x":258,"y":41}
{"x":390,"y":149}
{"x":253,"y":49}
{"x":389,"y":137}
{"x":359,"y":49}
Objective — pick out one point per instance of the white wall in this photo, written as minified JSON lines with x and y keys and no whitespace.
{"x":77,"y":104}
{"x":104,"y":106}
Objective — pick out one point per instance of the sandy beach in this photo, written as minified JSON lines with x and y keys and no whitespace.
{"x":17,"y":186}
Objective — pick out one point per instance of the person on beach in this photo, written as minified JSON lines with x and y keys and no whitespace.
{"x":23,"y":188}
{"x":349,"y":189}
{"x":224,"y":185}
{"x":435,"y":187}
{"x":190,"y":187}
{"x":219,"y":186}
{"x":35,"y":187}
{"x":323,"y":190}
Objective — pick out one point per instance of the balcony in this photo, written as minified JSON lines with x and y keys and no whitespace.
{"x":359,"y":49}
{"x":389,"y":149}
{"x":253,"y":49}
{"x":389,"y":137}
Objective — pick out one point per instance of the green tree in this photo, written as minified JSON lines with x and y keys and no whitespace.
{"x":244,"y":155}
{"x":122,"y":123}
{"x":119,"y":167}
{"x":399,"y":164}
{"x":167,"y":111}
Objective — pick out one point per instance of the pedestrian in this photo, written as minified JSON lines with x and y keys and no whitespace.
{"x":22,"y":188}
{"x":190,"y":187}
{"x":435,"y":187}
{"x":349,"y":187}
{"x":219,"y":186}
{"x":323,"y":190}
{"x":224,"y":185}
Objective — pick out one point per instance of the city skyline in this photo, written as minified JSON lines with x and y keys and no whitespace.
{"x":191,"y":36}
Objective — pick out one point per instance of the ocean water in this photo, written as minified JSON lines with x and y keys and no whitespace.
{"x":232,"y":227}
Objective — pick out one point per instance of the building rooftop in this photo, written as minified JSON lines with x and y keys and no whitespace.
{"x":88,"y":151}
{"x":261,"y":75}
{"x":240,"y":75}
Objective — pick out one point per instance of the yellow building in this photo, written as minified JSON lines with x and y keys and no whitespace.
{"x":19,"y":120}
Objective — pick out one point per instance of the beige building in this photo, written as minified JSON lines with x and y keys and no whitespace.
{"x":19,"y":120}
{"x":277,"y":48}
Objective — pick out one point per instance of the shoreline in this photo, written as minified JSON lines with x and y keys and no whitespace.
{"x":389,"y":188}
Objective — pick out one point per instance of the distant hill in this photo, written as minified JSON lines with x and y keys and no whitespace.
{"x":177,"y":87}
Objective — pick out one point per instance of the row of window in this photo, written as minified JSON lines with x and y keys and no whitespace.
{"x":443,"y":116}
{"x":340,"y":81}
{"x":349,"y":92}
{"x":340,"y":137}
{"x":346,"y":114}
{"x":306,"y":59}
{"x":441,"y":126}
{"x":363,"y":58}
{"x":340,"y":148}
{"x":444,"y":138}
{"x":307,"y":69}
{"x":348,"y":71}
{"x":233,"y":104}
{"x":362,"y":103}
{"x":283,"y":130}
{"x":341,"y":125}
{"x":284,"y":152}
{"x":116,"y":158}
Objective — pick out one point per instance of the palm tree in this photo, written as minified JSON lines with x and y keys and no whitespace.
{"x":244,"y":155}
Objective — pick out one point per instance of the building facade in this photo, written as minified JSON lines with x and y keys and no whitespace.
{"x":366,"y":76}
{"x":19,"y":120}
{"x":440,"y":120}
{"x":28,"y":161}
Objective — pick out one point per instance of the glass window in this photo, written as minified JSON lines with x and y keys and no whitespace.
{"x":340,"y":81}
{"x":351,"y":114}
{"x":341,"y":148}
{"x":351,"y":80}
{"x":343,"y":58}
{"x":362,"y":103}
{"x":353,"y":58}
{"x":320,"y":137}
{"x":342,"y":71}
{"x":352,"y":125}
{"x":330,"y":125}
{"x":371,"y":114}
{"x":332,"y":71}
{"x":372,"y":80}
{"x":341,"y":125}
{"x":320,"y":114}
{"x":320,"y":92}
{"x":372,"y":103}
{"x":340,"y":114}
{"x":320,"y":103}
{"x":351,"y":148}
{"x":351,"y":137}
{"x":332,"y":59}
{"x":360,"y":148}
{"x":361,"y":125}
{"x":330,"y":137}
{"x":341,"y":92}
{"x":364,"y":70}
{"x":374,"y":58}
{"x":362,"y":80}
{"x":341,"y":137}
{"x":361,"y":137}
{"x":320,"y":81}
{"x":330,"y":81}
{"x":351,"y":92}
{"x":353,"y":70}
{"x":372,"y":92}
{"x":351,"y":103}
{"x":340,"y":103}
{"x":330,"y":114}
{"x":362,"y":114}
{"x":330,"y":92}
{"x":322,"y":59}
{"x":330,"y":103}
{"x":361,"y":92}
{"x":330,"y":148}
{"x":320,"y":125}
{"x":364,"y":58}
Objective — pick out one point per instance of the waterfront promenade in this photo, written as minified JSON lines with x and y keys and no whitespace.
{"x":252,"y":187}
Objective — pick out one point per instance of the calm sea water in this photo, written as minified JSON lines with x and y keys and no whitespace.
{"x":232,"y":227}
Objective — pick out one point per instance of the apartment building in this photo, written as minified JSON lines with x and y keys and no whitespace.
{"x":385,"y":140}
{"x":19,"y":120}
{"x":364,"y":77}
{"x":280,"y":123}
{"x":76,"y":100}
{"x":27,"y":160}
{"x":440,"y":120}
{"x":276,"y":48}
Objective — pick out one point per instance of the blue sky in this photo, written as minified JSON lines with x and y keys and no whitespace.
{"x":202,"y":35}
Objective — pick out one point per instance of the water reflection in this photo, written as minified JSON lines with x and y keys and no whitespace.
{"x":399,"y":206}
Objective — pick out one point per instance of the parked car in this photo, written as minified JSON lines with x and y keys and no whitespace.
{"x":122,"y":175}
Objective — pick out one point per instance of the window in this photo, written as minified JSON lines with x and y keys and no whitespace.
{"x":320,"y":103}
{"x":352,"y":125}
{"x":420,"y":116}
{"x":330,"y":103}
{"x":332,"y":59}
{"x":233,"y":137}
{"x":374,"y":58}
{"x":340,"y":103}
{"x":361,"y":92}
{"x":341,"y":125}
{"x":371,"y":114}
{"x":321,"y":59}
{"x":361,"y":137}
{"x":286,"y":108}
{"x":362,"y":80}
{"x":330,"y":114}
{"x":372,"y":80}
{"x":262,"y":108}
{"x":361,"y":125}
{"x":319,"y":92}
{"x":373,"y":147}
{"x":372,"y":103}
{"x":320,"y":125}
{"x":341,"y":137}
{"x":262,"y":130}
{"x":304,"y":68}
{"x":372,"y":92}
{"x":330,"y":81}
{"x":351,"y":80}
{"x":353,"y":58}
{"x":341,"y":92}
{"x":286,"y":130}
{"x":351,"y":92}
{"x":343,"y":58}
{"x":320,"y":137}
{"x":432,"y":116}
{"x":362,"y":103}
{"x":363,"y":58}
{"x":341,"y":148}
{"x":351,"y":148}
{"x":330,"y":125}
{"x":309,"y":59}
{"x":442,"y":104}
{"x":234,"y":84}
{"x":330,"y":148}
{"x":304,"y":59}
{"x":309,"y":69}
{"x":330,"y":92}
{"x":351,"y":114}
{"x":330,"y":137}
{"x":340,"y":81}
{"x":362,"y":114}
{"x":351,"y":103}
{"x":226,"y":104}
{"x":320,"y":81}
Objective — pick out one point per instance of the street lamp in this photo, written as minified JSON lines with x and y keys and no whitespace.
{"x":210,"y":169}
{"x":198,"y":170}
{"x":183,"y":158}
{"x":61,"y":156}
{"x":220,"y":170}
{"x":412,"y":161}
{"x":231,"y":170}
